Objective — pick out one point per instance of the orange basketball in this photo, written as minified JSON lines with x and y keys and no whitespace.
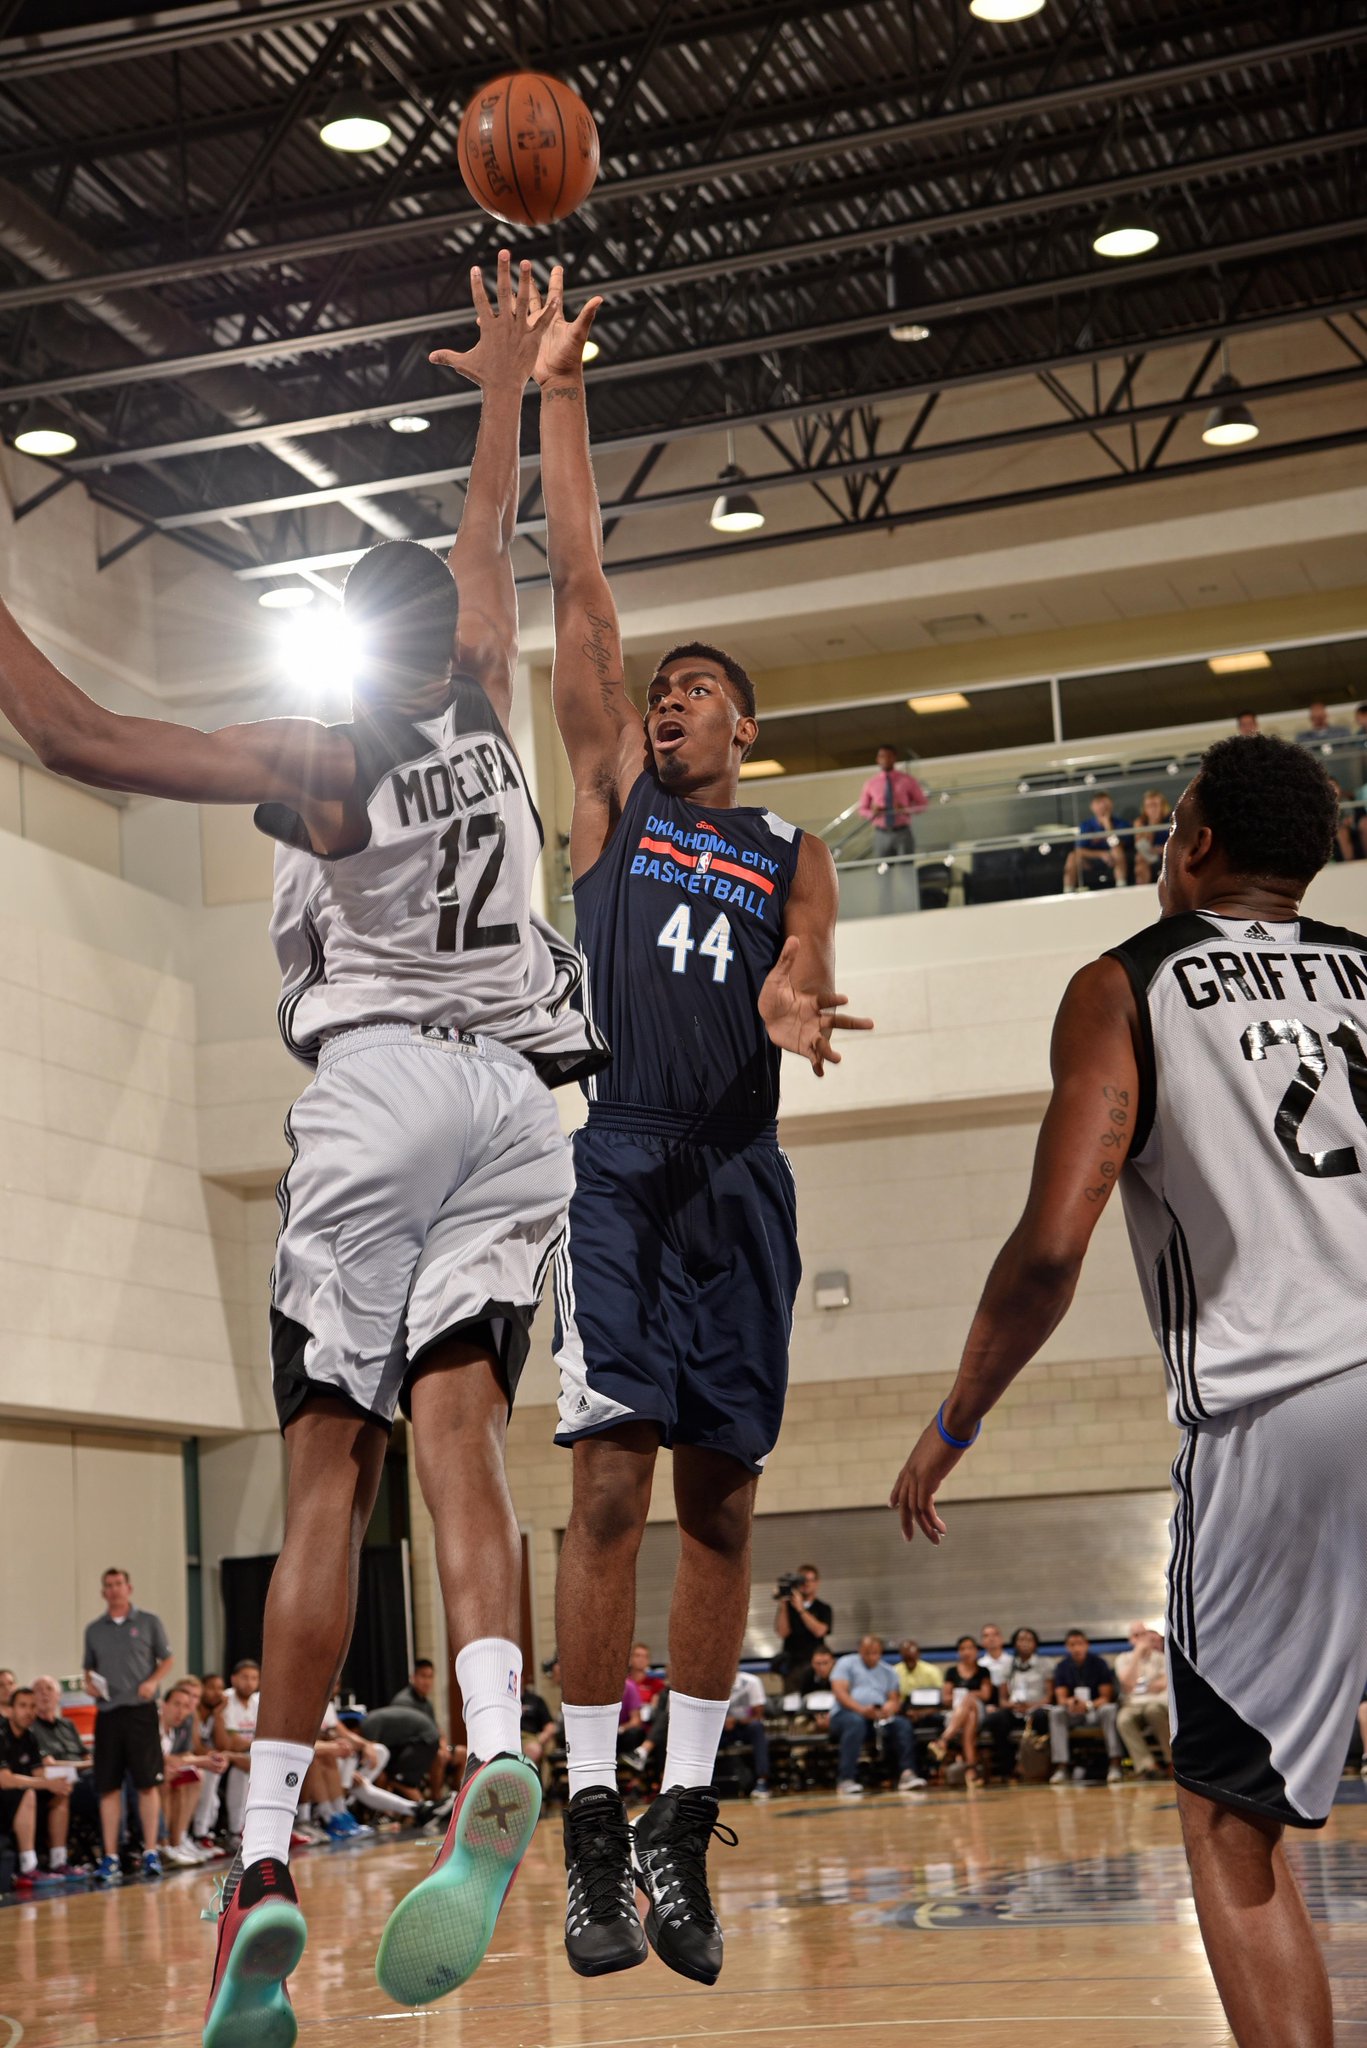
{"x":528,"y":149}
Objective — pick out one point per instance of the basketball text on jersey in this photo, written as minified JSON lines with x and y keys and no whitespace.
{"x":702,"y":861}
{"x":1246,"y":1188}
{"x":681,"y":919}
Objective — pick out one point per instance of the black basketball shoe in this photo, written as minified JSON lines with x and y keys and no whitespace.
{"x":603,"y":1931}
{"x":671,"y":1840}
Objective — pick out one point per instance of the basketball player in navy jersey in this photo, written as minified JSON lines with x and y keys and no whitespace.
{"x":1214,"y":1067}
{"x":709,"y":932}
{"x":429,"y":1178}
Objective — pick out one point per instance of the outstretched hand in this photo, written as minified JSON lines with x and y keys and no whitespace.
{"x":918,"y":1482}
{"x":510,"y":329}
{"x":562,"y":341}
{"x":802,"y":1020}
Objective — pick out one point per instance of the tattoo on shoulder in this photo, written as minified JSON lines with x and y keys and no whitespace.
{"x":1112,"y":1140}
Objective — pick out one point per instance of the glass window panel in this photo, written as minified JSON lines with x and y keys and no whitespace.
{"x":848,"y":736}
{"x":1187,"y":692}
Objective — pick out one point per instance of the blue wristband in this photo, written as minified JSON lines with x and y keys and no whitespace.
{"x":956,"y":1443}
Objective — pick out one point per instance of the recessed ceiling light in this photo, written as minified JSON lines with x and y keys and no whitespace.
{"x":1004,"y":10}
{"x":409,"y":423}
{"x":750,"y":770}
{"x":1238,"y":664}
{"x":286,"y":597}
{"x":945,"y":700}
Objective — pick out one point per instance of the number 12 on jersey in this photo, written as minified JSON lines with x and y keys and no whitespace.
{"x":676,"y":937}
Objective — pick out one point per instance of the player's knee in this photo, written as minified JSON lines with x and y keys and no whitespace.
{"x":722,"y":1526}
{"x":610,"y":1508}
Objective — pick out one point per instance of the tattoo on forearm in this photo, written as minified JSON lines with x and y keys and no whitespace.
{"x":1112,"y":1140}
{"x":598,"y":651}
{"x":571,"y":392}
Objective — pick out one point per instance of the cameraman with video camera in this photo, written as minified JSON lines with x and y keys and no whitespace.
{"x":803,"y":1622}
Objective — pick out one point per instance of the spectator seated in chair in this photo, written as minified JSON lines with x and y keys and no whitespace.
{"x":744,"y":1728}
{"x":183,"y":1772}
{"x":1084,"y":1697}
{"x":1024,"y":1695}
{"x":61,"y":1749}
{"x":922,"y":1688}
{"x":234,"y":1728}
{"x":30,"y":1796}
{"x":212,"y":1692}
{"x":1097,"y":861}
{"x":868,"y":1697}
{"x":1143,"y":1722}
{"x":967,"y":1695}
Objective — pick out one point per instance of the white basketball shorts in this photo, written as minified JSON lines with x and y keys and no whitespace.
{"x":425,"y":1201}
{"x":1267,"y":1636}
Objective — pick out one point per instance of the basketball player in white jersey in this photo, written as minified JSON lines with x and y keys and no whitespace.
{"x":1214,"y":1067}
{"x":429,"y":1181}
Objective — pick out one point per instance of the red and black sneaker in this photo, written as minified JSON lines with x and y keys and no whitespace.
{"x":261,"y":1936}
{"x":439,"y":1935}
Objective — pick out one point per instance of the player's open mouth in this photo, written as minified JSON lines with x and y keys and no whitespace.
{"x":669,"y":733}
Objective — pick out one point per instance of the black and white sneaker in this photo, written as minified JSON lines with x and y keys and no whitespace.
{"x":671,"y":1840}
{"x":603,"y":1930}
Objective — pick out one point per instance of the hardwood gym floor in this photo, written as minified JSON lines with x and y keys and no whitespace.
{"x":982,"y":1916}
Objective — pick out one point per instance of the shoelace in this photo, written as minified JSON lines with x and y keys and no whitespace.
{"x":681,"y":1871}
{"x":600,"y":1845}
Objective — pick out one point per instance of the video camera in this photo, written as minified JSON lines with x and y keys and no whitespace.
{"x":788,"y":1582}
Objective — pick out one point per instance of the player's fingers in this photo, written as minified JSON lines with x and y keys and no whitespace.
{"x":851,"y":1023}
{"x":478,"y":292}
{"x":555,"y":290}
{"x":587,"y":315}
{"x":535,"y":303}
{"x":449,"y":358}
{"x":524,"y":283}
{"x":788,"y":954}
{"x":928,"y":1522}
{"x":505,"y":280}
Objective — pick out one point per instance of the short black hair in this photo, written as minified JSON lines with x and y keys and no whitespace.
{"x":1077,"y":1632}
{"x":402,"y":600}
{"x":1269,"y":806}
{"x":423,"y":1664}
{"x":886,"y":747}
{"x":966,"y":1639}
{"x":246,"y":1664}
{"x":1024,"y":1630}
{"x":21,"y":1692}
{"x":699,"y":650}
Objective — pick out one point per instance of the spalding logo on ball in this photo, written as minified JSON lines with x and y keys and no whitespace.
{"x":528,"y":149}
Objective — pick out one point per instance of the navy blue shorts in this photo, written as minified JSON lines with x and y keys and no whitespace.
{"x":674,"y":1290}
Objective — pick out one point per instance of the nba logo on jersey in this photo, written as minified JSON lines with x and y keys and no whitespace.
{"x":704,"y":862}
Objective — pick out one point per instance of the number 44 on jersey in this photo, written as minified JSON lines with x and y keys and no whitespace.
{"x":676,"y":937}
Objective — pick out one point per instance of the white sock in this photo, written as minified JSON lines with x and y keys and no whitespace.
{"x":489,"y":1674}
{"x":695,"y":1729}
{"x":370,"y":1772}
{"x":56,"y":1859}
{"x":278,"y":1770}
{"x":306,"y":1810}
{"x":591,"y":1745}
{"x":28,"y":1861}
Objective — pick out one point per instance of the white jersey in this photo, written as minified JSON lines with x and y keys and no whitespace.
{"x":1246,"y":1186}
{"x":430,"y":922}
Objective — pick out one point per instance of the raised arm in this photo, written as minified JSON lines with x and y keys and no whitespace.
{"x":798,"y":1003}
{"x":292,"y":761}
{"x":603,"y":732}
{"x":1083,"y":1143}
{"x":481,"y":559}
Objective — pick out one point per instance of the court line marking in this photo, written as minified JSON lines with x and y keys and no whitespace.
{"x":16,"y":2031}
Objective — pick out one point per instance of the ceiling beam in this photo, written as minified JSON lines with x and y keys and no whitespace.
{"x":680,"y":174}
{"x":1292,"y":241}
{"x":158,"y":32}
{"x":912,"y":390}
{"x":914,"y":450}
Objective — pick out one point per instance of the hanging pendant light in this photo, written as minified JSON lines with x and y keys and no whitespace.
{"x":43,"y":431}
{"x":735,"y":511}
{"x":907,"y":291}
{"x":352,"y":120}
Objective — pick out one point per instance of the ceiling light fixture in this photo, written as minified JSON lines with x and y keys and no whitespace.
{"x":43,"y":431}
{"x":1004,"y":10}
{"x":751,"y":770}
{"x":1229,"y":423}
{"x":409,"y":423}
{"x":286,"y":597}
{"x":944,"y":700}
{"x":352,"y":121}
{"x":1125,"y":230}
{"x":907,"y":291}
{"x":1238,"y":664}
{"x":591,"y":350}
{"x":734,"y":511}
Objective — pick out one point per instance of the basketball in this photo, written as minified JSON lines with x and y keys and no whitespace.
{"x":528,"y":149}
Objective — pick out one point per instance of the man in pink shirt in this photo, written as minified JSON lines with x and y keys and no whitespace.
{"x":891,"y":799}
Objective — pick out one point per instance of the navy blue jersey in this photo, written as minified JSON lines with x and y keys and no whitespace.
{"x":681,"y":919}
